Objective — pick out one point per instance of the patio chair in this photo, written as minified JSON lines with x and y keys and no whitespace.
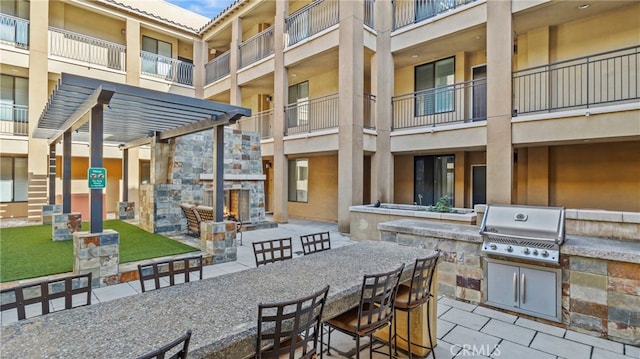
{"x":161,"y":352}
{"x":413,"y":297}
{"x":193,"y":218}
{"x":76,"y":291}
{"x":205,"y":212}
{"x":272,"y":250}
{"x":373,"y":313}
{"x":170,"y":268}
{"x":290,"y":329}
{"x":316,"y":242}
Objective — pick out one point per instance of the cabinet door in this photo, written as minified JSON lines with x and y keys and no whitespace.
{"x":538,"y":291}
{"x":502,"y":284}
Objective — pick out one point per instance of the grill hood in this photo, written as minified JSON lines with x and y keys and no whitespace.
{"x":524,"y":222}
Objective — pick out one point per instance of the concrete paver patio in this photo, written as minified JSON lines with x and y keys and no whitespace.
{"x":463,"y":330}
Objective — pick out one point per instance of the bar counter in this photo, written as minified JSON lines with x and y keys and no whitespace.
{"x":221,"y":311}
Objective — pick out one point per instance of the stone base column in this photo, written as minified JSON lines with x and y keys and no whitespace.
{"x":219,"y":240}
{"x":64,"y":225}
{"x":98,"y":253}
{"x":48,"y":210}
{"x":126,"y":210}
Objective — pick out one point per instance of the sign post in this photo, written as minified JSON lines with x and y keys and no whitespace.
{"x":97,"y":178}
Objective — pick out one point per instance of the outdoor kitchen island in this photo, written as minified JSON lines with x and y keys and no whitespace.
{"x":598,"y":276}
{"x":222,"y":311}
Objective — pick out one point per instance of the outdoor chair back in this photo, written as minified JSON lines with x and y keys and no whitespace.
{"x":316,"y":242}
{"x":290,"y":329}
{"x":272,"y":250}
{"x":193,"y":218}
{"x":173,"y":269}
{"x":161,"y":353}
{"x":64,"y":293}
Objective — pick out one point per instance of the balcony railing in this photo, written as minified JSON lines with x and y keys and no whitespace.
{"x":310,"y":20}
{"x":368,"y":13}
{"x":461,"y":102}
{"x":369,"y":111}
{"x":86,"y":49}
{"x":167,"y":68}
{"x":14,"y":31}
{"x":260,"y":122}
{"x":14,"y":119}
{"x":407,"y":12}
{"x":312,"y":115}
{"x":217,"y":68}
{"x":256,"y":48}
{"x":578,"y":83}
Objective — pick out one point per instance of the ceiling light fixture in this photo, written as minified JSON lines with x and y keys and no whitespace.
{"x":414,"y":56}
{"x":583,"y":6}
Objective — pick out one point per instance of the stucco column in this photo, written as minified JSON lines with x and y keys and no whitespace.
{"x":499,"y":61}
{"x":38,"y":93}
{"x":279,"y":201}
{"x":199,"y":60}
{"x":382,"y":83}
{"x":133,"y":168}
{"x":234,"y":61}
{"x":350,"y":88}
{"x":134,"y":41}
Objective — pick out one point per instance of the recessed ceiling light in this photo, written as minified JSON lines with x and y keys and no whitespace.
{"x":477,"y":37}
{"x":414,"y":56}
{"x":293,"y":75}
{"x":583,"y":6}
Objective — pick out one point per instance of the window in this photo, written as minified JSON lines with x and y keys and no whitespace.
{"x":299,"y":96}
{"x":14,"y":100}
{"x":434,"y":87}
{"x":14,"y":179}
{"x":298,"y":180}
{"x":433,"y":179}
{"x":161,"y":64}
{"x":145,"y":171}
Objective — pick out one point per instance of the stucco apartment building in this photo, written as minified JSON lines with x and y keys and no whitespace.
{"x":485,"y":101}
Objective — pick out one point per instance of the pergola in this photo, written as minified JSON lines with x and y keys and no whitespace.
{"x":101,"y":112}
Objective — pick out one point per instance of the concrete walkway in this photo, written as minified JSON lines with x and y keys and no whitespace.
{"x":464,"y":330}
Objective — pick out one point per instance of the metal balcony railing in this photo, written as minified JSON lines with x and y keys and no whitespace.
{"x":368,"y":12}
{"x":14,"y":119}
{"x":217,"y":68}
{"x":166,"y":68}
{"x":597,"y":79}
{"x":310,"y":20}
{"x":407,"y":12}
{"x":86,"y":49}
{"x":14,"y":31}
{"x":261,"y":122}
{"x":369,"y":111}
{"x":312,"y":115}
{"x":256,"y":48}
{"x":460,"y":102}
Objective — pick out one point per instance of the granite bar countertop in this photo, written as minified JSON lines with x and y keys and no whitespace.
{"x":602,"y":248}
{"x":458,"y":232}
{"x":222,"y":311}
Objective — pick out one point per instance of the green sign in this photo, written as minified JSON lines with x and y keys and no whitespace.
{"x":97,"y":178}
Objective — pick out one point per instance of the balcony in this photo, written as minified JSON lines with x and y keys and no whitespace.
{"x":14,"y":119}
{"x":407,"y":12}
{"x":312,"y":115}
{"x":166,"y":68}
{"x":369,"y":111}
{"x":594,"y":80}
{"x":14,"y":31}
{"x":87,"y":50}
{"x":310,"y":20}
{"x":256,"y":48}
{"x":261,"y":122}
{"x":457,"y":103}
{"x":217,"y":68}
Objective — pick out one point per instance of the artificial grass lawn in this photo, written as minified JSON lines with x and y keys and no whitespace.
{"x":28,"y":252}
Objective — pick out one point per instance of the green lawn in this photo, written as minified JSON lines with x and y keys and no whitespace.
{"x":28,"y":252}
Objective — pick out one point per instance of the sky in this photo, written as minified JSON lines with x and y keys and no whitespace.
{"x":207,"y":8}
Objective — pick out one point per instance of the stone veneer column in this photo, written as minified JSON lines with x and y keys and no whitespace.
{"x":351,"y":90}
{"x":98,"y":254}
{"x":219,"y":240}
{"x":382,"y":83}
{"x":499,"y":65}
{"x":64,"y":225}
{"x":48,"y":211}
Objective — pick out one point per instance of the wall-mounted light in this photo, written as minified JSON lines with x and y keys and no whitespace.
{"x":123,"y":31}
{"x":268,"y":99}
{"x":267,"y":164}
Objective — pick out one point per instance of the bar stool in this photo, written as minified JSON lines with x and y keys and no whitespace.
{"x":417,"y":294}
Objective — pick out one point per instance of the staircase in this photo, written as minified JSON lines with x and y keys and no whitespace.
{"x":37,"y":196}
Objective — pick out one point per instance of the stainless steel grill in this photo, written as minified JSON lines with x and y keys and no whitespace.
{"x":528,"y":232}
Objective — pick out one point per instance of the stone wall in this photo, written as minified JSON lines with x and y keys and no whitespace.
{"x":160,"y":210}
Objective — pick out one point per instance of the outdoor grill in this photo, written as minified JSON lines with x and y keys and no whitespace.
{"x":525,"y":232}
